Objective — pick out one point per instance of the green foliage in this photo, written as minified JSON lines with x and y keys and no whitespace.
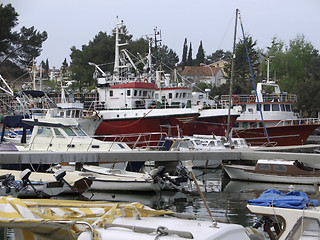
{"x":219,"y":55}
{"x":18,"y":47}
{"x":297,"y":68}
{"x":8,"y":20}
{"x":189,"y":59}
{"x":200,"y":55}
{"x":101,"y":51}
{"x":242,"y":81}
{"x":168,"y":57}
{"x":184,"y":54}
{"x":29,"y":45}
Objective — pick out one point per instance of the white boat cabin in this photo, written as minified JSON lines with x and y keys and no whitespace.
{"x":54,"y":136}
{"x":276,"y":106}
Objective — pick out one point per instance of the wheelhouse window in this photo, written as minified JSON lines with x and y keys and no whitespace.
{"x":135,"y":93}
{"x":78,"y":113}
{"x":282,"y":107}
{"x":266,"y":107}
{"x":288,"y":108}
{"x":156,"y":96}
{"x":177,"y":95}
{"x":128,"y":92}
{"x":275,"y":107}
{"x":170,"y":95}
{"x":111,"y":93}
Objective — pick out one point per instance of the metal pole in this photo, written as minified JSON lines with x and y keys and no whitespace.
{"x":232,"y":73}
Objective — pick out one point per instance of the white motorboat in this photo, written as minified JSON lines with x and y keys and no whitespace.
{"x":69,"y":219}
{"x":285,"y":216}
{"x":281,"y":171}
{"x":64,"y":135}
{"x":107,"y":179}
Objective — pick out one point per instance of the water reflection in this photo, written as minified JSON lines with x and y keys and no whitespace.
{"x":226,"y":199}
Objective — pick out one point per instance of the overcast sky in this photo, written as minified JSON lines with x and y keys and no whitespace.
{"x":76,"y":22}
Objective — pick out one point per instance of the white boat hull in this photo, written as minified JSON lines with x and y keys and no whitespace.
{"x":189,"y":229}
{"x":240,"y":172}
{"x":114,"y":185}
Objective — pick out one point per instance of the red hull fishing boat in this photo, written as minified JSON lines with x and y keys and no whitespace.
{"x":140,"y":103}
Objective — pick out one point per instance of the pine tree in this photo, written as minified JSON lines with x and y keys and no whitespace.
{"x":184,"y":54}
{"x":189,"y":60}
{"x":200,"y":55}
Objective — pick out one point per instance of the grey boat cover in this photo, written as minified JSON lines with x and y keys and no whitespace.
{"x":275,"y":198}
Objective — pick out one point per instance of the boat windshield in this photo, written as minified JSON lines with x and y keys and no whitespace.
{"x":69,"y":131}
{"x":44,"y":131}
{"x":79,"y":132}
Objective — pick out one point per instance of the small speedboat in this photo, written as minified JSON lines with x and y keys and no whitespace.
{"x":107,"y":179}
{"x":278,"y":170}
{"x":285,"y":216}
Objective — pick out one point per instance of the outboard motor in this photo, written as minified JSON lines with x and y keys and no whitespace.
{"x":59,"y":176}
{"x":172,"y":182}
{"x":24,"y":175}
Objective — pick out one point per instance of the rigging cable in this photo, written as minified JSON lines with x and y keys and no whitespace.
{"x":254,"y":85}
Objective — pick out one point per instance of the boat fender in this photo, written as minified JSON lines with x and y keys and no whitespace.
{"x":235,"y":98}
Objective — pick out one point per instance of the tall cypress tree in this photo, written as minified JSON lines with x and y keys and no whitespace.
{"x":200,"y":55}
{"x":184,"y":54}
{"x":189,"y":60}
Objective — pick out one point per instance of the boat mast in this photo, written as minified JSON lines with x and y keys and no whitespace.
{"x":232,"y":73}
{"x":116,"y":69}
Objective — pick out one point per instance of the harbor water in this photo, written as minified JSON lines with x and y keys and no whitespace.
{"x":226,"y":199}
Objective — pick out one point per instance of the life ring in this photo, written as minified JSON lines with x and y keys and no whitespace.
{"x":252,"y":98}
{"x":235,"y":98}
{"x":146,"y":80}
{"x":33,"y":105}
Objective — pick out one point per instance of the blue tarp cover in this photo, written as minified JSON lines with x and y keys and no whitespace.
{"x":293,"y":199}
